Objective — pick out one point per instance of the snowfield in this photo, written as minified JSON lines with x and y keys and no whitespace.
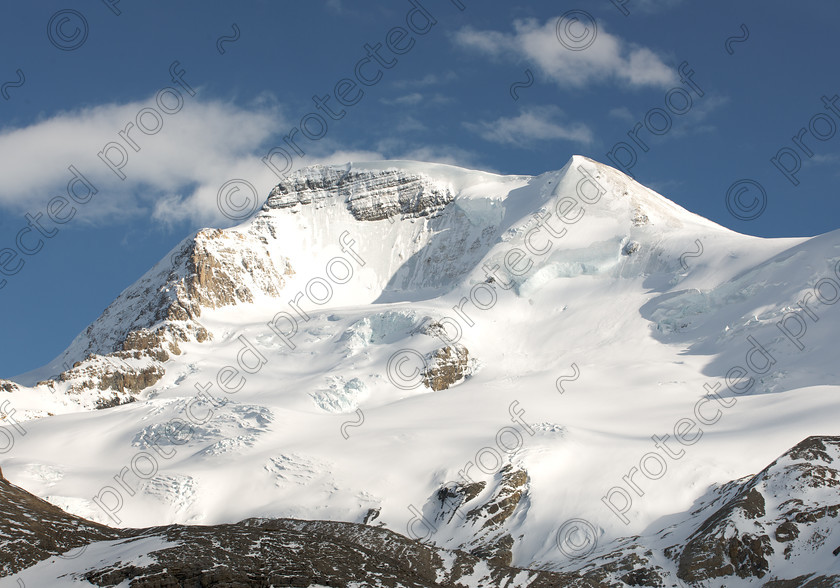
{"x":630,"y":383}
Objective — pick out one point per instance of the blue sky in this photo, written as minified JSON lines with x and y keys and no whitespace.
{"x":159,"y":107}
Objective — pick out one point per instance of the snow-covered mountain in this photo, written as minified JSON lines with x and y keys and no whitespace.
{"x":565,"y":372}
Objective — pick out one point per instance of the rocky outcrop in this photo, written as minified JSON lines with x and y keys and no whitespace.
{"x":452,"y":498}
{"x":213,"y":269}
{"x":446,"y":367}
{"x":7,"y":386}
{"x":628,"y":564}
{"x":486,"y":508}
{"x":228,"y":267}
{"x":716,"y":551}
{"x":630,"y":248}
{"x":368,"y":195}
{"x":504,"y":501}
{"x":744,"y":536}
{"x":107,"y":381}
{"x":124,"y":350}
{"x":747,"y":530}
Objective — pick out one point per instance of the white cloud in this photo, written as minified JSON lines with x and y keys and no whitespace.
{"x":416,"y":98}
{"x":693,"y":122}
{"x":608,"y":59}
{"x":823,"y":160}
{"x":829,"y":158}
{"x":427,"y":80}
{"x":176,"y":175}
{"x":409,"y":124}
{"x":195,"y":151}
{"x":532,"y":124}
{"x":202,"y":203}
{"x":407,"y":100}
{"x":622,"y":113}
{"x":178,"y":172}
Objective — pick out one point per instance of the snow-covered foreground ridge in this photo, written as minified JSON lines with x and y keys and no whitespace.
{"x":533,"y":369}
{"x":44,"y":546}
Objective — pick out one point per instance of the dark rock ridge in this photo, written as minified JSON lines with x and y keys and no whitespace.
{"x":32,"y":530}
{"x":436,"y":240}
{"x":255,"y":552}
{"x":754,"y":529}
{"x":788,"y":510}
{"x":754,"y":532}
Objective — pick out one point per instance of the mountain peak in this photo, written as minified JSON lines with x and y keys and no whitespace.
{"x":446,"y":309}
{"x":423,"y":227}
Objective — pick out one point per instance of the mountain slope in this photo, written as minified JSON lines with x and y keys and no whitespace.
{"x":478,"y":359}
{"x":797,"y":534}
{"x":255,"y":552}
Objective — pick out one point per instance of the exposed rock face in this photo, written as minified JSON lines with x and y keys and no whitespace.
{"x":629,"y":563}
{"x":228,"y":267}
{"x":104,"y":381}
{"x":640,"y":218}
{"x":218,"y":268}
{"x":748,"y":531}
{"x":504,"y":501}
{"x":213,"y":269}
{"x":743,"y":536}
{"x":486,"y":508}
{"x":372,"y":514}
{"x":102,"y":374}
{"x":255,"y":552}
{"x":742,"y":555}
{"x":124,"y":350}
{"x":433,"y":240}
{"x":452,"y":498}
{"x":369,"y":195}
{"x":630,"y":248}
{"x":446,"y":367}
{"x":126,"y":380}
